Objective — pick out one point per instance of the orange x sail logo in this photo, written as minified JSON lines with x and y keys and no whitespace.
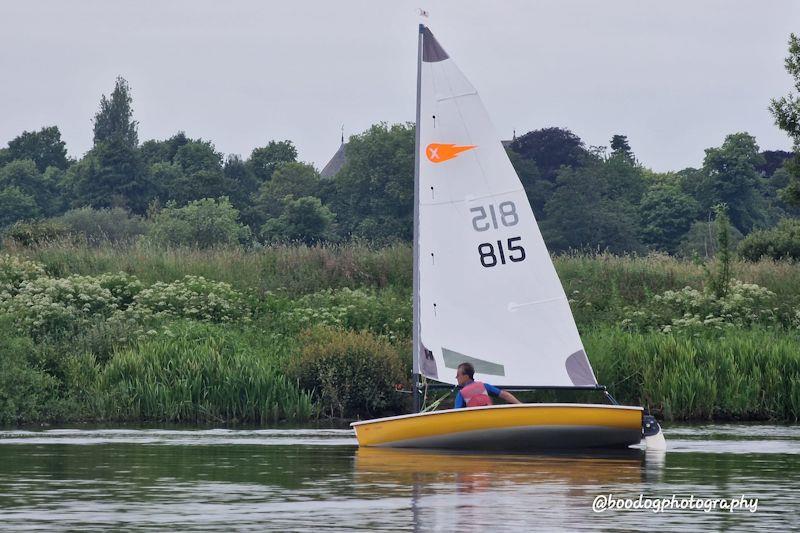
{"x":439,"y":153}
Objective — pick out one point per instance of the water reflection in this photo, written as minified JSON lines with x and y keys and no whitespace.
{"x":305,"y":480}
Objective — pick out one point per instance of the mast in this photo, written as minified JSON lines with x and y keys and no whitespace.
{"x":416,"y":326}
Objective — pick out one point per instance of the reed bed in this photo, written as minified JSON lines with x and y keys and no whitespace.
{"x":202,"y":374}
{"x":738,"y":374}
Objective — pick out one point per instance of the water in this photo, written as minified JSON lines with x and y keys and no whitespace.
{"x":314,"y":479}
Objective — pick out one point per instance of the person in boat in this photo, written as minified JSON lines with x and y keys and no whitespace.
{"x":475,"y":393}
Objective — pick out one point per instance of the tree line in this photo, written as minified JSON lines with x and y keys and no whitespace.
{"x":584,"y":197}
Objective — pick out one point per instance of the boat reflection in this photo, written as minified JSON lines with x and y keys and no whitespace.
{"x":448,"y":488}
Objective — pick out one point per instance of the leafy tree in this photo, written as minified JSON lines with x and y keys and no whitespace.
{"x":16,"y":204}
{"x":537,"y":189}
{"x":44,"y":147}
{"x":241,"y":181}
{"x":374,"y":196}
{"x":550,"y":149}
{"x":295,"y":179}
{"x":304,"y":219}
{"x":41,"y":188}
{"x":730,"y":178}
{"x":114,"y":121}
{"x":583,"y":212}
{"x":786,"y":111}
{"x":263,"y":161}
{"x":113,"y":173}
{"x":202,"y":223}
{"x":666,"y":215}
{"x":621,"y":148}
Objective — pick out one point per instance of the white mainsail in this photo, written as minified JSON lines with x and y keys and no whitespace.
{"x":486,"y":290}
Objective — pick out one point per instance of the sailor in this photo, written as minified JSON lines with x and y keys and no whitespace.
{"x":475,"y":393}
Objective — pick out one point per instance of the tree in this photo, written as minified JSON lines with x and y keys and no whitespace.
{"x":374,"y":195}
{"x":584,"y":212}
{"x":112,"y":173}
{"x":666,"y":214}
{"x":786,"y":111}
{"x":44,"y":147}
{"x":304,"y":219}
{"x":621,"y":148}
{"x":24,"y":176}
{"x":296,"y":179}
{"x":550,"y":149}
{"x":16,"y":204}
{"x":730,"y":178}
{"x":114,"y":121}
{"x":263,"y":161}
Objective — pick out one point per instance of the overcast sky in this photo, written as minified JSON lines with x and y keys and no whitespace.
{"x":674,"y":76}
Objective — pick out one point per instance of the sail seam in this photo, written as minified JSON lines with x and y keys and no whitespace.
{"x":473,"y":93}
{"x":474,"y":198}
{"x":513,"y":306}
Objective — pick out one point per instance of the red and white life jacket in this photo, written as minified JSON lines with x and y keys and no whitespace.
{"x":475,"y":395}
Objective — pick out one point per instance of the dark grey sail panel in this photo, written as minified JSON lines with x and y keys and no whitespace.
{"x":432,"y":51}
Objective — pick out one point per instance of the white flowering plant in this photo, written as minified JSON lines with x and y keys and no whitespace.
{"x":743,"y":305}
{"x":16,"y":270}
{"x":193,"y":297}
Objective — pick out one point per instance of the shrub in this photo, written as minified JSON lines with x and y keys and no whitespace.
{"x":192,"y":297}
{"x":36,"y":232}
{"x":201,"y":373}
{"x":14,"y":271}
{"x":780,"y":242}
{"x":202,"y":223}
{"x":103,"y":225}
{"x":352,"y":373}
{"x":26,"y":393}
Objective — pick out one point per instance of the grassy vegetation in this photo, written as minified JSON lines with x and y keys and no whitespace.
{"x":234,"y":335}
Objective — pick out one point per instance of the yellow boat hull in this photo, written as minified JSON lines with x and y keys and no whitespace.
{"x":518,"y":427}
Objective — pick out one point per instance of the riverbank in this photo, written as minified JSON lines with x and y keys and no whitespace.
{"x":293,"y":333}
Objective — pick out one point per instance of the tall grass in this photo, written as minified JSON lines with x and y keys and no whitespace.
{"x":293,"y":269}
{"x":202,"y":373}
{"x":741,"y":374}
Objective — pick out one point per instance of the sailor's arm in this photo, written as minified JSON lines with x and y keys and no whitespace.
{"x":508,"y":397}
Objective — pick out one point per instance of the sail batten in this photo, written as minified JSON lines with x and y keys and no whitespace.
{"x":486,"y":290}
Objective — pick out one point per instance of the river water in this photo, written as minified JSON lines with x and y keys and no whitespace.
{"x":314,"y":479}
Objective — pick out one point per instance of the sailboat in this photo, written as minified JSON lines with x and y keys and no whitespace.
{"x":486,"y":292}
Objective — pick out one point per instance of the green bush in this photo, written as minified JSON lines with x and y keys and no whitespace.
{"x":36,"y":232}
{"x":196,"y":372}
{"x":98,"y":226}
{"x":203,"y":223}
{"x":27,"y":394}
{"x":354,"y":374}
{"x":780,"y":242}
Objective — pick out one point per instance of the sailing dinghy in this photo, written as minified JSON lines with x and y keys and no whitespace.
{"x":486,"y":292}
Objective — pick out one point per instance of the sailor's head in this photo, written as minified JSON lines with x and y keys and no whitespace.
{"x":465,"y":373}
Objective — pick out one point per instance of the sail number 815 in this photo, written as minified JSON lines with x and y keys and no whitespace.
{"x":491,"y":255}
